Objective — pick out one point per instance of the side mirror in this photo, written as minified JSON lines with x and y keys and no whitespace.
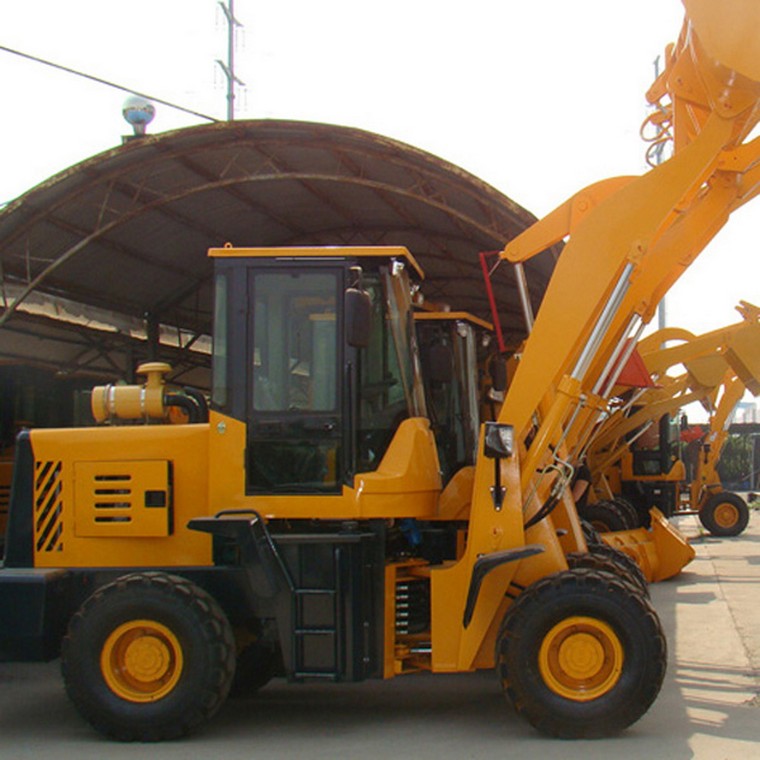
{"x":499,"y":440}
{"x":498,"y":444}
{"x":358,"y":314}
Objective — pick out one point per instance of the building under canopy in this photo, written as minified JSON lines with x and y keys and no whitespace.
{"x":104,"y":264}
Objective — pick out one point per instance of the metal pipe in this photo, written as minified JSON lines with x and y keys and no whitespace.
{"x":612,"y":360}
{"x":603,"y":323}
{"x":522,"y":289}
{"x":626,"y":355}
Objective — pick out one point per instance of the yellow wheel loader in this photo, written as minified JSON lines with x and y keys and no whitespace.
{"x":301,"y":528}
{"x":634,"y":455}
{"x":264,"y":537}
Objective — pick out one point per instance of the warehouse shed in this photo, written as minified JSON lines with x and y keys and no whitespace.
{"x":104,"y":264}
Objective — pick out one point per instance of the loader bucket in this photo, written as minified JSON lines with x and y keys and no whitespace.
{"x":660,"y":551}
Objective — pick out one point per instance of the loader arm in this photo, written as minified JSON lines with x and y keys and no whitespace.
{"x":708,"y":361}
{"x":627,"y":249}
{"x":630,"y":239}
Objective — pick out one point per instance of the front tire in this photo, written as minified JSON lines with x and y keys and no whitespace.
{"x":148,"y":657}
{"x":581,"y":655}
{"x":724,"y":514}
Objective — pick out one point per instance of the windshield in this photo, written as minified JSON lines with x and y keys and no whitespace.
{"x":390,"y":387}
{"x":452,"y":397}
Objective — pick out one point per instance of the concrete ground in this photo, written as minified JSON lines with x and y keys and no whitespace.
{"x":709,"y":707}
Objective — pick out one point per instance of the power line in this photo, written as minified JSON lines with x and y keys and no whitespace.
{"x":106,"y":83}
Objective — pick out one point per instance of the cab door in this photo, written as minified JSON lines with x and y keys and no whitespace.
{"x":295,"y":417}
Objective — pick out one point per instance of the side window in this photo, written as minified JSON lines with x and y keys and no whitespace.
{"x":383,"y":391}
{"x":294,"y":417}
{"x":294,"y":347}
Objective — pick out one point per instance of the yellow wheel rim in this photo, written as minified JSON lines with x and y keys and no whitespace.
{"x":726,"y":515}
{"x":581,"y":658}
{"x":141,"y":661}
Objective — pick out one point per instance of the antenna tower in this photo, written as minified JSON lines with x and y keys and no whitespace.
{"x":228,"y":8}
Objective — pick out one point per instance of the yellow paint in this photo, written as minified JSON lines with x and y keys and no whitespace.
{"x":728,"y":31}
{"x":463,"y":316}
{"x":456,"y":648}
{"x":581,"y":658}
{"x":407,"y":482}
{"x":133,"y":402}
{"x":454,"y":503}
{"x":719,"y":365}
{"x":109,"y":498}
{"x":65,"y":461}
{"x":141,"y":661}
{"x":661,"y":552}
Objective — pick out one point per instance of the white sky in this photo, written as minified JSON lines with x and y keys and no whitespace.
{"x":537,"y":97}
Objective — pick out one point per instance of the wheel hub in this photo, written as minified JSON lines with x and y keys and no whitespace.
{"x":581,"y":658}
{"x":147,"y":658}
{"x":726,"y":515}
{"x":141,"y":661}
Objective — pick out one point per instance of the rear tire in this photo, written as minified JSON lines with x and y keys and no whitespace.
{"x":621,"y":559}
{"x":580,"y":655}
{"x":724,"y":514}
{"x":608,"y":558}
{"x":632,"y":517}
{"x":606,"y":517}
{"x":148,"y":657}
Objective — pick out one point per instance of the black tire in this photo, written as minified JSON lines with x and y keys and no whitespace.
{"x":613,"y":561}
{"x":724,"y":514}
{"x":605,"y":516}
{"x":620,"y":558}
{"x":590,"y":533}
{"x":632,"y":516}
{"x":148,"y":657}
{"x":590,"y":621}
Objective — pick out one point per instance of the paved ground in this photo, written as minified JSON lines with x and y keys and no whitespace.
{"x":709,"y":707}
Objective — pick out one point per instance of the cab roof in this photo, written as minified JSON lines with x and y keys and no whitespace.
{"x":323,"y":252}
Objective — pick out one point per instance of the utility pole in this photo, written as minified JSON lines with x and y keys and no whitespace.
{"x":228,"y":8}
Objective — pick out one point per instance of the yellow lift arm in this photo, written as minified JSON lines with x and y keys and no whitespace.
{"x":718,"y":367}
{"x":629,"y":240}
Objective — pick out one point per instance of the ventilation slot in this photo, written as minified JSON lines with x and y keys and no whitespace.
{"x":112,"y":492}
{"x":124,"y":498}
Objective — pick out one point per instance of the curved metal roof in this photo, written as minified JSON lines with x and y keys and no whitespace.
{"x":127,"y":231}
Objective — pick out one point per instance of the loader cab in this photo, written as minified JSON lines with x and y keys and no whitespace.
{"x":652,"y":470}
{"x":314,"y":350}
